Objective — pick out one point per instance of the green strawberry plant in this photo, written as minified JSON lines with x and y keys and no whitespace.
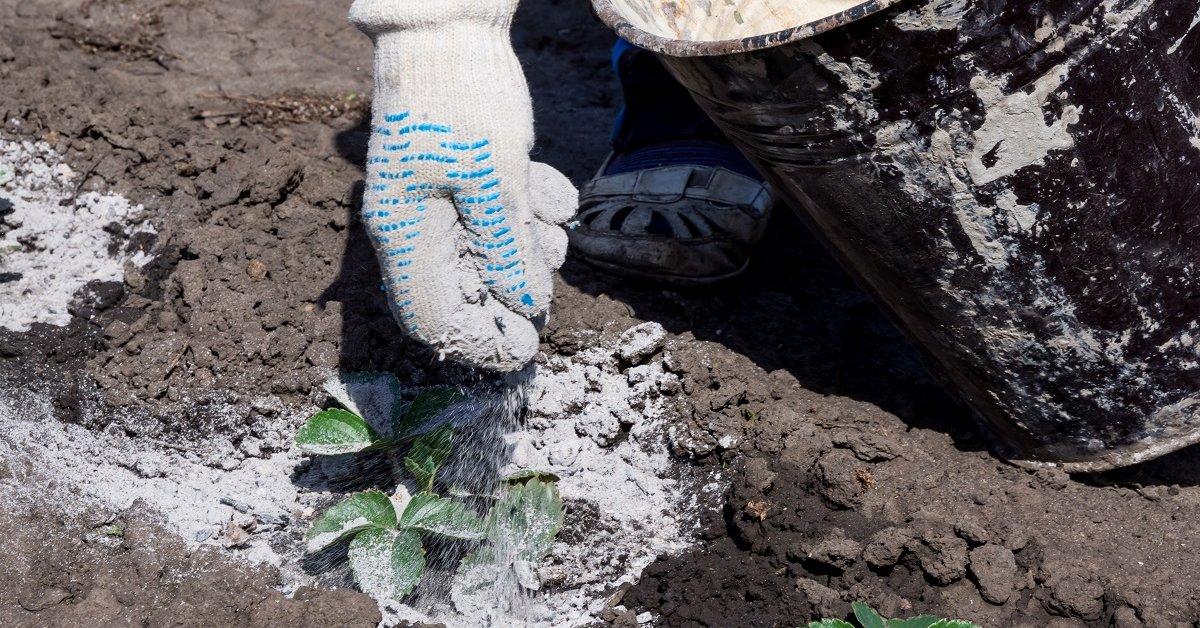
{"x":868,"y":618}
{"x":387,"y":553}
{"x":387,"y":534}
{"x":336,"y":431}
{"x":521,"y":529}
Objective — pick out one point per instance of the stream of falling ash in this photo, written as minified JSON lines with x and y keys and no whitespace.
{"x":485,"y":429}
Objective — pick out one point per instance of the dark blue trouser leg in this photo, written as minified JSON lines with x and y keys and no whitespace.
{"x":660,"y":124}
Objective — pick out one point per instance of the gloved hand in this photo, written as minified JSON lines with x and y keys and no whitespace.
{"x":467,"y":231}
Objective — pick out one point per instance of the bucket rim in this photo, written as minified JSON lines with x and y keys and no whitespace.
{"x":613,"y":18}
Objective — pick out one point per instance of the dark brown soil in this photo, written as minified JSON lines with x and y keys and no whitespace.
{"x":240,"y":126}
{"x":128,"y":571}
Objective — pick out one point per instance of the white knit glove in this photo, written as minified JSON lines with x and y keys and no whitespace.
{"x":466,"y":230}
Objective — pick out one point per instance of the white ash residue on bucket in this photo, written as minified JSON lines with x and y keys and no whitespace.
{"x":54,"y":240}
{"x":727,"y":20}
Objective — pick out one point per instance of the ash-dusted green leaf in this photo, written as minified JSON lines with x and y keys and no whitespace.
{"x":429,"y":513}
{"x":953,"y":623}
{"x":428,"y":404}
{"x":482,"y":555}
{"x":427,"y":454}
{"x":924,"y":621}
{"x":360,"y":511}
{"x":527,"y":517}
{"x":374,"y":396}
{"x":478,"y":570}
{"x":867,"y":616}
{"x":387,"y":564}
{"x":333,"y":432}
{"x":830,"y":623}
{"x":423,"y":471}
{"x":520,"y":529}
{"x":520,"y":477}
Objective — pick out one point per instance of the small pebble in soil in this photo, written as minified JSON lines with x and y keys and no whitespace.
{"x":273,"y":521}
{"x":241,"y":507}
{"x":256,"y":270}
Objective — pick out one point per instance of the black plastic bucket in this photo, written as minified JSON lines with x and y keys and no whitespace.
{"x":1018,"y":183}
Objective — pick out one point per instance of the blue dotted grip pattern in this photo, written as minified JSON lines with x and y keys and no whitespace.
{"x":467,"y":177}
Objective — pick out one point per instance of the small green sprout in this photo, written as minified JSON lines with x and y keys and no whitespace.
{"x":428,"y":453}
{"x":868,"y":618}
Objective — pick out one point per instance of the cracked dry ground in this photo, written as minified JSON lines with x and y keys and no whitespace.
{"x":239,"y":125}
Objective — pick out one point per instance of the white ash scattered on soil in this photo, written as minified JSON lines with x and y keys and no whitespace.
{"x":53,"y":241}
{"x":596,"y":419}
{"x":192,"y":485}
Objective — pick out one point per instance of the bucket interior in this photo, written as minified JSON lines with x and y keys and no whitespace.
{"x":720,"y":20}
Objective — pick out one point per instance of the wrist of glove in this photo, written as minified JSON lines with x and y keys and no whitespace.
{"x":378,"y":16}
{"x":466,"y":229}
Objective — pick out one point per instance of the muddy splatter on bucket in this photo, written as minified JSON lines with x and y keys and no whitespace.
{"x":1016,"y":182}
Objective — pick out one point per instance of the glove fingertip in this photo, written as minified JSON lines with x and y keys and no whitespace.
{"x":553,"y":197}
{"x":554,"y":243}
{"x":493,"y":338}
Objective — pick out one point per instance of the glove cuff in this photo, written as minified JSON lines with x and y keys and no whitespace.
{"x":463,"y":74}
{"x":375,"y":17}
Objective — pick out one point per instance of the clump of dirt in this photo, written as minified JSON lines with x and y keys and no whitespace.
{"x":127,"y":29}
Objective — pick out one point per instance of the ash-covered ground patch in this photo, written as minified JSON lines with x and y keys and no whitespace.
{"x":54,"y":240}
{"x":598,"y":420}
